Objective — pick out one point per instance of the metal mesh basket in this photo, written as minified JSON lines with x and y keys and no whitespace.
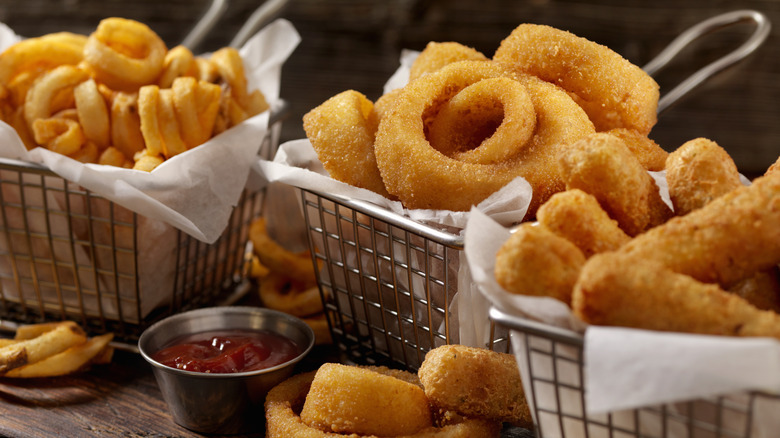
{"x":68,"y":253}
{"x":387,"y":282}
{"x":553,"y":361}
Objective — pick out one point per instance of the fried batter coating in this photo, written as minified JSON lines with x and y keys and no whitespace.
{"x":578,"y":217}
{"x":775,"y":167}
{"x":342,"y":131}
{"x":650,"y":155}
{"x":726,"y":241}
{"x":475,"y":382}
{"x":423,"y":177}
{"x":698,"y":172}
{"x":348,"y":399}
{"x":535,"y":261}
{"x":602,"y":165}
{"x":614,"y":92}
{"x":284,"y":402}
{"x":761,"y":290}
{"x":645,"y":294}
{"x":436,"y":55}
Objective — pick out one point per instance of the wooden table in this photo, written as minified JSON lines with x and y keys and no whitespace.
{"x":118,"y":399}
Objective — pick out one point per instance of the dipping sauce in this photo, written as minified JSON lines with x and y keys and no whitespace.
{"x":228,"y":351}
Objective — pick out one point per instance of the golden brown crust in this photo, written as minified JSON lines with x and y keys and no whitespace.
{"x":475,"y":382}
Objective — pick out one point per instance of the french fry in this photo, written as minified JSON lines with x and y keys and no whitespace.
{"x":30,"y":331}
{"x":6,"y":342}
{"x":47,"y":344}
{"x":71,"y":360}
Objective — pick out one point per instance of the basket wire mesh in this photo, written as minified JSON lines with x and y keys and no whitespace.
{"x":68,"y":253}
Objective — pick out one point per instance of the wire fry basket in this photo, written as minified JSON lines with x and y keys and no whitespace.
{"x":68,"y":253}
{"x":552,"y":368}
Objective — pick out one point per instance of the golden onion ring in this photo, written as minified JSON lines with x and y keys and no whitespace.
{"x":124,"y":54}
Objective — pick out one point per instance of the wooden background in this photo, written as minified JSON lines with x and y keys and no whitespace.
{"x":355,"y":44}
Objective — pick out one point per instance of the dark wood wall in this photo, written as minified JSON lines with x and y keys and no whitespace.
{"x":355,"y":44}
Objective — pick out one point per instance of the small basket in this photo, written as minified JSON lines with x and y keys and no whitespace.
{"x":552,"y":369}
{"x":68,"y":253}
{"x":387,"y":282}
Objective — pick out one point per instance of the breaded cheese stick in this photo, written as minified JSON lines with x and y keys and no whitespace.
{"x":535,"y":261}
{"x":475,"y":382}
{"x":724,"y":242}
{"x":602,"y":165}
{"x":647,"y":295}
{"x":698,"y":172}
{"x":578,"y":217}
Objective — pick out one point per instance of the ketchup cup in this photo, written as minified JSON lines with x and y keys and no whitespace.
{"x":221,"y":403}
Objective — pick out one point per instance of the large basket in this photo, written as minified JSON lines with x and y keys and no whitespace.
{"x":68,"y":253}
{"x":552,"y":368}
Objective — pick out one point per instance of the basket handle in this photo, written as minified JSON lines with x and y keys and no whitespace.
{"x":260,"y":17}
{"x":759,"y":35}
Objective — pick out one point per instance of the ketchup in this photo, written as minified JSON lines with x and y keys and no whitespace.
{"x":229,"y":351}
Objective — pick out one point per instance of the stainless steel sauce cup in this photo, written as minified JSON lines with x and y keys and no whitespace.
{"x":221,"y":403}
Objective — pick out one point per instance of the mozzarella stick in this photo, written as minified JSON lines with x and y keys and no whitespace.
{"x":647,"y":295}
{"x":578,"y":217}
{"x":724,"y":242}
{"x":698,"y":172}
{"x":535,"y":261}
{"x":602,"y":165}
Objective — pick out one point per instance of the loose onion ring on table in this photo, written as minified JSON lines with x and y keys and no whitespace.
{"x":614,"y":92}
{"x":124,"y":54}
{"x":285,"y":401}
{"x":423,"y":177}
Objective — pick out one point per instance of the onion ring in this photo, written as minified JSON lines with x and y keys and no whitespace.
{"x":436,"y":55}
{"x":286,"y":294}
{"x":422,"y":177}
{"x":284,"y":402}
{"x":38,"y":103}
{"x":473,"y":126}
{"x":370,"y":404}
{"x":614,"y":92}
{"x":124,"y":54}
{"x":279,"y":259}
{"x":342,"y":131}
{"x":92,"y":113}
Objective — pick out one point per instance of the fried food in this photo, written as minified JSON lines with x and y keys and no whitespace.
{"x":698,"y":172}
{"x":726,"y":241}
{"x":614,"y":92}
{"x":602,"y":165}
{"x":284,"y":402}
{"x":369,"y":403}
{"x":422,"y":177}
{"x":38,"y":348}
{"x":286,"y":294}
{"x":775,"y":167}
{"x":646,"y":294}
{"x":342,"y":131}
{"x":279,"y":259}
{"x":80,"y":95}
{"x":124,"y":54}
{"x":535,"y":261}
{"x":761,"y":290}
{"x":436,"y":55}
{"x":650,"y":155}
{"x":578,"y":217}
{"x":475,"y":382}
{"x":69,"y":361}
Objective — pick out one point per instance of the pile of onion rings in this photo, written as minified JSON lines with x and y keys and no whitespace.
{"x":119,"y":97}
{"x":466,"y":124}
